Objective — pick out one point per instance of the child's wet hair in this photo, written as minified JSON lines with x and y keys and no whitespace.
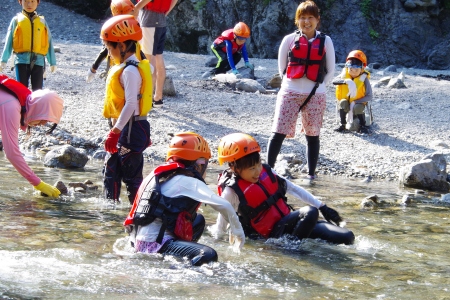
{"x":246,"y":162}
{"x":128,"y":44}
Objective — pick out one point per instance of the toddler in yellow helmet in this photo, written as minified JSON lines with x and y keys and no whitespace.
{"x":258,"y":196}
{"x":353,"y":91}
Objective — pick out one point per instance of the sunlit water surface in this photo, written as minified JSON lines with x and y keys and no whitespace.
{"x":75,"y":248}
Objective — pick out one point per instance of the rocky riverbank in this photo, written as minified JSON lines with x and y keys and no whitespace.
{"x":408,"y":123}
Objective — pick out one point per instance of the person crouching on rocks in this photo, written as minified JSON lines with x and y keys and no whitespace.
{"x":355,"y":92}
{"x":128,"y":99}
{"x":229,"y":48}
{"x":258,"y":195}
{"x":21,"y":107}
{"x":164,"y":217}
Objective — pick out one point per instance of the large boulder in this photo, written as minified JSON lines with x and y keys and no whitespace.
{"x":65,"y":157}
{"x":425,"y":174}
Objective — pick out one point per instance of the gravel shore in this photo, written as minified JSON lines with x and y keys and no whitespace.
{"x":408,"y":123}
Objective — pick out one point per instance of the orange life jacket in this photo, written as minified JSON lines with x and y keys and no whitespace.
{"x":261,"y":204}
{"x":307,"y":58}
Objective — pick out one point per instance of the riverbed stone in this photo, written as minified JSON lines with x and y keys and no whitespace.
{"x":65,"y":157}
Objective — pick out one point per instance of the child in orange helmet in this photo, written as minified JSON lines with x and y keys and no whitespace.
{"x":353,"y":91}
{"x":128,"y":99}
{"x":164,"y":217}
{"x":229,"y":47}
{"x":258,"y":195}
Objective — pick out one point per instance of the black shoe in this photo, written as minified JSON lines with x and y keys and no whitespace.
{"x":158,"y":103}
{"x":364,"y":130}
{"x":341,"y":129}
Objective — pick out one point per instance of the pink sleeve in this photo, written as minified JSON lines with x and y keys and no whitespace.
{"x":9,"y":127}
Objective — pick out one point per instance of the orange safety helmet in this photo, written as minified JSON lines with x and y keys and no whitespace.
{"x":241,"y":29}
{"x":188,"y":146}
{"x":120,"y":29}
{"x":121,"y":7}
{"x":235,"y":146}
{"x":358,"y":54}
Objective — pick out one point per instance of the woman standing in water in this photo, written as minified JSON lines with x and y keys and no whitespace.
{"x":306,"y":61}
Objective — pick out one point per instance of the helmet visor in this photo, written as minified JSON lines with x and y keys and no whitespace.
{"x":241,"y":38}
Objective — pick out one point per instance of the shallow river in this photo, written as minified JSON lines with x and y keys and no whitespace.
{"x":75,"y":248}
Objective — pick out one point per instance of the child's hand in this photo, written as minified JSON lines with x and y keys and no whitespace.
{"x":249,"y":65}
{"x":235,"y":72}
{"x":90,"y":75}
{"x":2,"y":66}
{"x":53,"y":69}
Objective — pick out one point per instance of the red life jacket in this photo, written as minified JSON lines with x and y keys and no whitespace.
{"x":18,"y":90}
{"x":177,"y":214}
{"x":307,"y":58}
{"x":261,"y":204}
{"x":227,"y":35}
{"x":160,"y":6}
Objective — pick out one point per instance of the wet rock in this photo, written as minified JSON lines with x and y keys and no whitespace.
{"x":406,"y":199}
{"x":61,"y":187}
{"x":445,"y":198}
{"x":371,"y":201}
{"x":211,"y":62}
{"x":65,"y":157}
{"x":77,"y":185}
{"x":424,"y":174}
{"x":250,"y":86}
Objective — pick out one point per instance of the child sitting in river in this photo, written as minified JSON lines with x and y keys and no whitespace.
{"x":258,"y":195}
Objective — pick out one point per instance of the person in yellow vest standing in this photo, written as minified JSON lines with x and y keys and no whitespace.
{"x":152,"y":17}
{"x":353,"y":95}
{"x":30,"y":39}
{"x":129,"y":91}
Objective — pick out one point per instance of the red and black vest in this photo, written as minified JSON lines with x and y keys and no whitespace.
{"x":307,"y":58}
{"x":18,"y":90}
{"x":160,"y":6}
{"x":177,"y":214}
{"x":261,"y":204}
{"x":227,"y":35}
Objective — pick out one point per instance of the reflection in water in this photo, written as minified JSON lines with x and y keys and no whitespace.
{"x":75,"y":248}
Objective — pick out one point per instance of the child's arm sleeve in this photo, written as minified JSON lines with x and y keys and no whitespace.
{"x":51,"y":57}
{"x":229,"y":48}
{"x":245,"y":53}
{"x":101,"y":57}
{"x":302,"y":194}
{"x":331,"y":59}
{"x":7,"y":49}
{"x":368,"y":96}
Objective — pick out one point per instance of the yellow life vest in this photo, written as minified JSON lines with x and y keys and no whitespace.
{"x":30,"y":35}
{"x":342,"y":90}
{"x":115,"y":93}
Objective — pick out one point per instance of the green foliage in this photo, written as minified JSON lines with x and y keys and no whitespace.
{"x":96,"y":9}
{"x":366,"y":8}
{"x":446,"y":4}
{"x":199,"y":4}
{"x":373,"y":34}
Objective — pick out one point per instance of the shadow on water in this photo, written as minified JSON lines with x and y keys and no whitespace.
{"x":75,"y":247}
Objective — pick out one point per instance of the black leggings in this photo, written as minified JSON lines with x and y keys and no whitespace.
{"x":198,"y":254}
{"x":303,"y":223}
{"x":24,"y":72}
{"x":312,"y":150}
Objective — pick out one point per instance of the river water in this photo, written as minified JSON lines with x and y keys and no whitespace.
{"x":75,"y":248}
